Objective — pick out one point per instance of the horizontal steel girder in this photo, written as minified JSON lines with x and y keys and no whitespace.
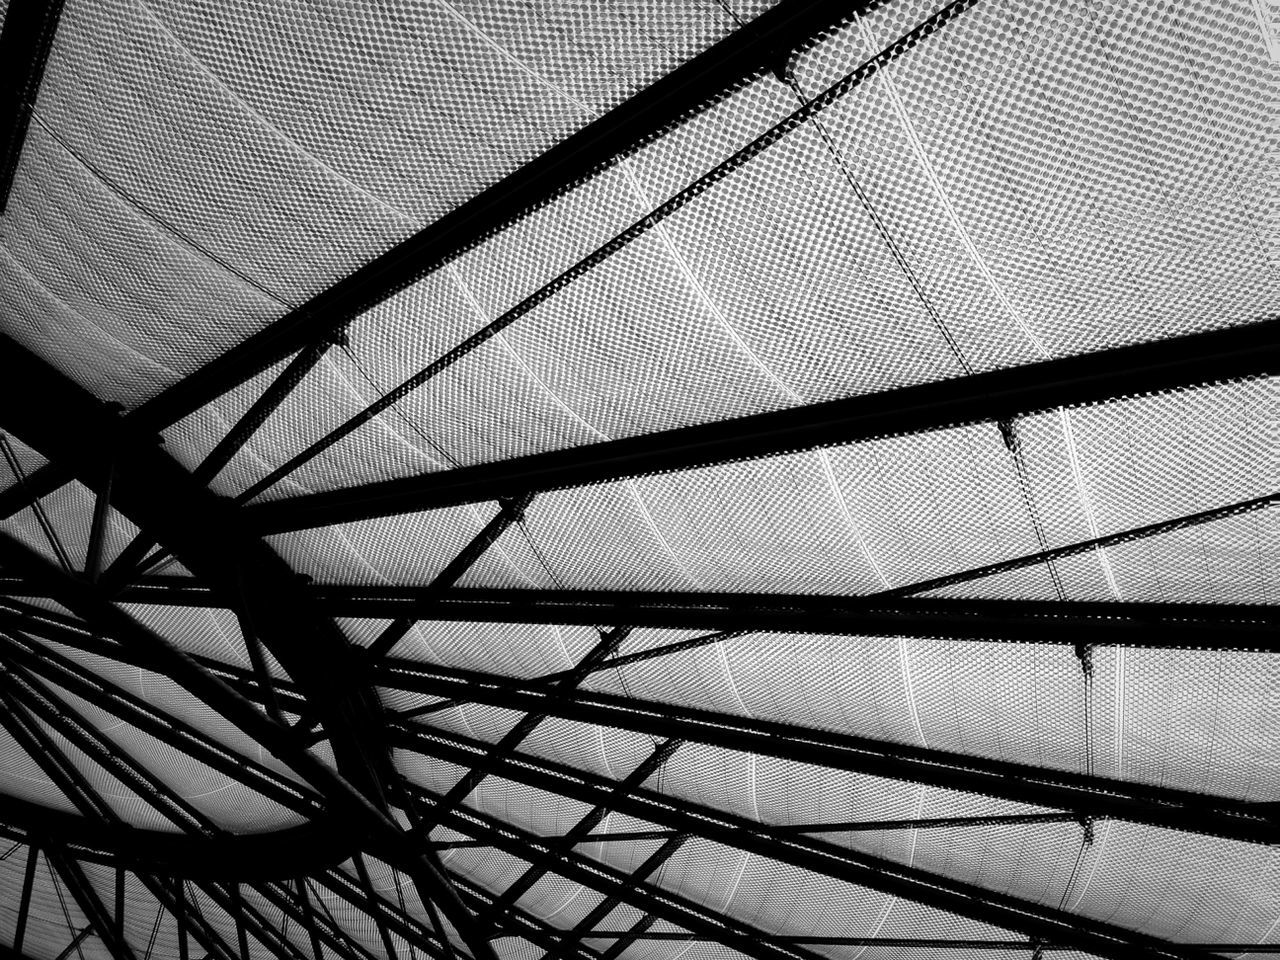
{"x":1205,"y":626}
{"x":279,"y":854}
{"x":1204,"y":358}
{"x":1040,"y":786}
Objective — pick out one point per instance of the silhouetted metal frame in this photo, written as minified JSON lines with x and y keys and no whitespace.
{"x":74,"y":429}
{"x":1007,"y":394}
{"x":819,"y":856}
{"x":1089,"y":795}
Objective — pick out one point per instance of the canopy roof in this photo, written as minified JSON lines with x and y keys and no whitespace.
{"x":662,"y":481}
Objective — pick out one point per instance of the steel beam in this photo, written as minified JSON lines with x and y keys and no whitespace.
{"x":1089,"y":795}
{"x":206,"y":533}
{"x":90,"y":904}
{"x":630,"y":888}
{"x":813,"y":854}
{"x":1007,"y":394}
{"x":685,"y":91}
{"x":1197,"y":626}
{"x":572,"y":838}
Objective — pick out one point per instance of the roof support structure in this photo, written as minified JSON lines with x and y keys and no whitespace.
{"x":1198,"y":626}
{"x":154,"y":492}
{"x":597,"y":914}
{"x":1088,"y":795}
{"x":835,"y":826}
{"x":43,"y":704}
{"x":838,"y":862}
{"x":633,"y":889}
{"x":557,"y":846}
{"x":1007,"y":394}
{"x":90,"y":904}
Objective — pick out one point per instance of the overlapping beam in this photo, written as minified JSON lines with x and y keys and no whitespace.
{"x":819,"y":856}
{"x":1040,"y":786}
{"x":1007,"y":394}
{"x":154,"y":492}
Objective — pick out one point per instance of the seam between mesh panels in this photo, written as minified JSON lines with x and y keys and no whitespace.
{"x":35,"y":282}
{"x":205,"y":69}
{"x":165,"y":226}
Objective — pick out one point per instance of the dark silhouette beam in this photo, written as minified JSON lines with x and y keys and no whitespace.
{"x":807,"y":853}
{"x":690,"y":88}
{"x":1197,"y":359}
{"x":1088,"y":795}
{"x":1199,"y":626}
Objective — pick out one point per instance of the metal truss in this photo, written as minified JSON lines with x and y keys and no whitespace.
{"x":942,"y":893}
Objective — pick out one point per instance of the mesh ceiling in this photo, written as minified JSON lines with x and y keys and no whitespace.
{"x":341,"y":618}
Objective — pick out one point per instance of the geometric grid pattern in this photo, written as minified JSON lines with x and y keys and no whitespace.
{"x":663,"y":481}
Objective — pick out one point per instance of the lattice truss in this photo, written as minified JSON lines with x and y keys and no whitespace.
{"x":662,"y":481}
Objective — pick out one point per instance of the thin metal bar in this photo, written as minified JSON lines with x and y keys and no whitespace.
{"x":237,"y":915}
{"x":119,"y":892}
{"x":363,"y":873}
{"x":812,"y":854}
{"x":90,"y":904}
{"x":639,"y":927}
{"x":57,"y":714}
{"x":354,"y":892}
{"x":309,"y":921}
{"x":842,"y":826}
{"x":630,"y":889}
{"x":36,"y":505}
{"x":257,"y":414}
{"x":327,"y":929}
{"x":74,"y":677}
{"x":249,"y":920}
{"x":192,"y":920}
{"x":24,"y":901}
{"x":98,"y":526}
{"x":40,"y":747}
{"x":545,"y":861}
{"x":180,"y":918}
{"x":74,"y":945}
{"x":650,"y":865}
{"x":609,"y":642}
